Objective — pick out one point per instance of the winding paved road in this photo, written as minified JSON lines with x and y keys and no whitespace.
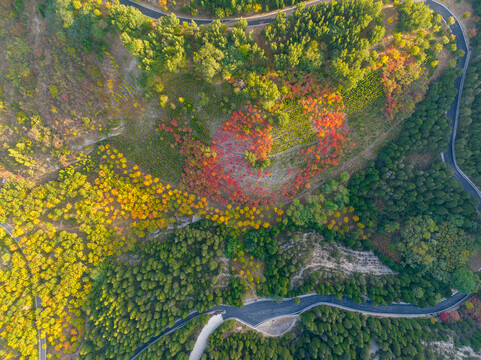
{"x":42,"y":342}
{"x":449,"y":156}
{"x":256,"y":313}
{"x":255,"y":20}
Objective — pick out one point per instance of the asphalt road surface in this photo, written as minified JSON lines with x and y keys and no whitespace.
{"x":256,"y":20}
{"x":449,"y":156}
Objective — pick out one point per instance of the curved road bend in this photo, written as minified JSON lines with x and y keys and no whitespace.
{"x":449,"y":156}
{"x":255,"y":20}
{"x":256,"y":313}
{"x":42,"y":342}
{"x":261,"y":311}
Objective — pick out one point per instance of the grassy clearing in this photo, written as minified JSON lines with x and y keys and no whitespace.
{"x":367,"y":124}
{"x":364,"y":107}
{"x":182,"y":86}
{"x":190,"y":101}
{"x":200,"y":125}
{"x":384,"y":244}
{"x":154,"y":150}
{"x":475,"y":261}
{"x":151,"y":149}
{"x":297,"y":131}
{"x":368,"y":130}
{"x":368,"y":91}
{"x":202,"y":105}
{"x":220,"y":106}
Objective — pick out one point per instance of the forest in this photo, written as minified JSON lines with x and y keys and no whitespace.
{"x":169,"y":272}
{"x":156,"y":169}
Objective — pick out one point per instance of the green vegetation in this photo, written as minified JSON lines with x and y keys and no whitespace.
{"x":46,"y":251}
{"x":439,"y":249}
{"x":364,"y":104}
{"x":367,"y":95}
{"x":468,"y":146}
{"x":178,"y":344}
{"x":413,"y":16}
{"x":282,"y":265}
{"x":136,"y":142}
{"x":228,"y":70}
{"x":305,"y":37}
{"x":51,"y":97}
{"x":396,"y":187}
{"x":224,"y":8}
{"x":91,"y":215}
{"x":18,"y":312}
{"x":148,"y":291}
{"x":427,"y":130}
{"x":292,"y":128}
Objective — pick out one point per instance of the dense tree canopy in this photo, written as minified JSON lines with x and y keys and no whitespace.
{"x":438,"y":248}
{"x":338,"y":31}
{"x":413,"y":15}
{"x":141,"y":296}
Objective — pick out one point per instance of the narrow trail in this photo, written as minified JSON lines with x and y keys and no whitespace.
{"x":201,"y":342}
{"x":42,"y":341}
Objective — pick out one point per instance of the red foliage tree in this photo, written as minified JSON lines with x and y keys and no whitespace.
{"x":474,"y":311}
{"x":444,"y":316}
{"x":325,"y":113}
{"x":398,"y":72}
{"x":454,"y":316}
{"x":221,"y":172}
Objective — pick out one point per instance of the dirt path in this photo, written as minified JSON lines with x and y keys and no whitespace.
{"x":201,"y":342}
{"x":279,"y":326}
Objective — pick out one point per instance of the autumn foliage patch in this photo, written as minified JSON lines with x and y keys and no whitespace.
{"x":220,"y":171}
{"x":209,"y":170}
{"x":328,"y":120}
{"x":399,"y":71}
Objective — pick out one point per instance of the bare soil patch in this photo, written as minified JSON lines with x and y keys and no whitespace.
{"x":389,"y":23}
{"x":422,"y":160}
{"x":279,"y":326}
{"x":335,"y":258}
{"x":381,"y":243}
{"x":444,"y":57}
{"x":447,"y":349}
{"x":5,"y":174}
{"x":475,"y":262}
